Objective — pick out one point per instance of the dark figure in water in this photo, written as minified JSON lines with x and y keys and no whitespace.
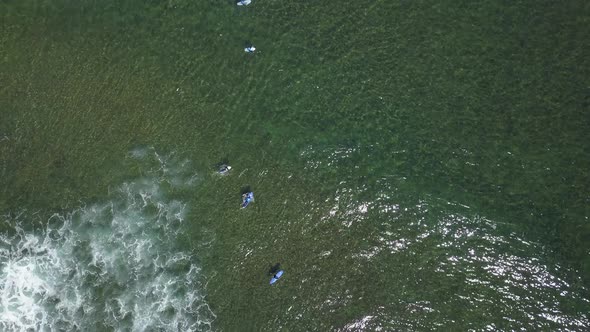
{"x":274,"y":269}
{"x":249,"y":48}
{"x":247,"y":198}
{"x":224,"y":169}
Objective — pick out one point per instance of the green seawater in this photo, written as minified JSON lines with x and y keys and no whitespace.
{"x":417,"y":165}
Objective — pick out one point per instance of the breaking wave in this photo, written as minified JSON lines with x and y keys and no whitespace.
{"x":116,"y":265}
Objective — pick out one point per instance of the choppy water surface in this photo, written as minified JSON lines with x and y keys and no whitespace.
{"x":426,"y":263}
{"x":417,"y":165}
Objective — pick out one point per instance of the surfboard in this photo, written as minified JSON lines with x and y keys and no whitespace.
{"x":276,"y":277}
{"x":244,"y":2}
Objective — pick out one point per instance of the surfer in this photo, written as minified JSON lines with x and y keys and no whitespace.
{"x":243,"y":2}
{"x":250,"y":49}
{"x":224,"y":169}
{"x":276,"y":277}
{"x":247,"y":198}
{"x":276,"y":273}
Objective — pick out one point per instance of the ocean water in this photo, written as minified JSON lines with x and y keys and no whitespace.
{"x":417,"y":166}
{"x":114,"y":265}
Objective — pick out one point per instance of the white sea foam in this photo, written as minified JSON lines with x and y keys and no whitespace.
{"x":110,"y":266}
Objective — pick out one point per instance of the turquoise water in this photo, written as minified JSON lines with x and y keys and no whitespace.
{"x":416,"y":165}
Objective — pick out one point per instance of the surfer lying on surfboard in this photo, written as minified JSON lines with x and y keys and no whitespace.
{"x":224,"y":169}
{"x":247,"y":198}
{"x":276,"y":273}
{"x":276,"y":277}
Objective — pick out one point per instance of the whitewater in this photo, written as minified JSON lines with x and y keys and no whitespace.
{"x":113,"y":265}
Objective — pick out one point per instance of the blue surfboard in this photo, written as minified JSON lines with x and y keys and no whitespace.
{"x":276,"y":277}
